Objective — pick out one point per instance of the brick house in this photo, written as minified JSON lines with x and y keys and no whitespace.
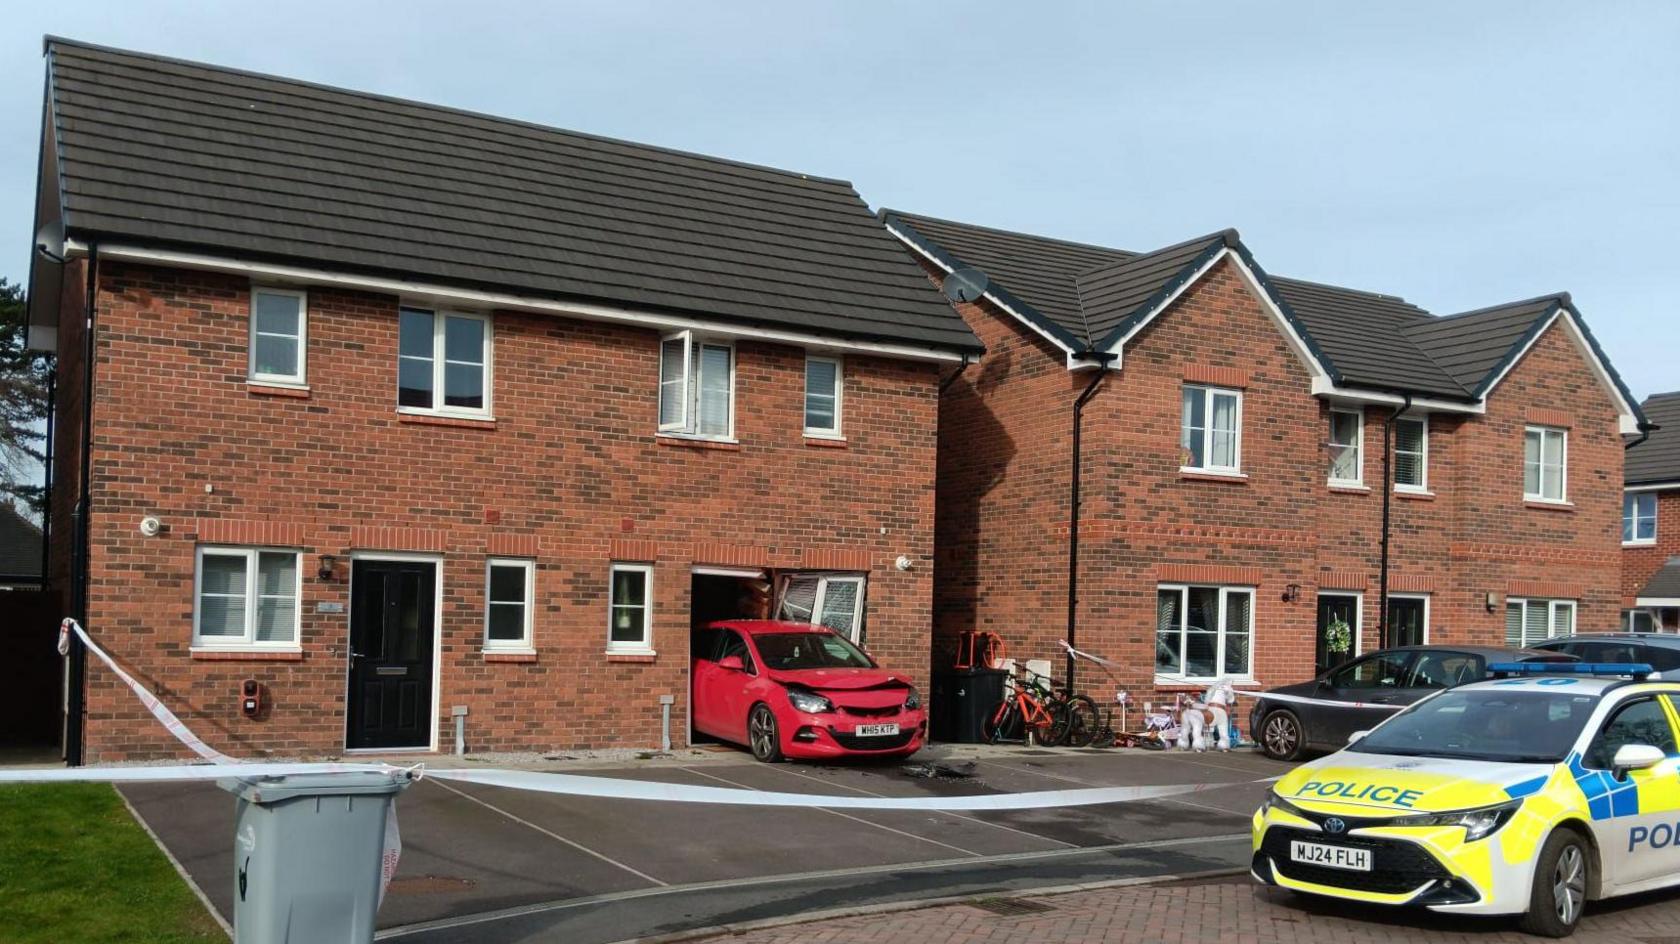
{"x":1232,"y":500}
{"x":1651,"y":523}
{"x":399,"y":410}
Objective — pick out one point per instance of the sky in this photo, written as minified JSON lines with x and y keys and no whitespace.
{"x":1457,"y":154}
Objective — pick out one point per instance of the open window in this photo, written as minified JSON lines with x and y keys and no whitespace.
{"x":696,"y":387}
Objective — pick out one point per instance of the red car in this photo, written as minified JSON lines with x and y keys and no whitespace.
{"x":797,"y":690}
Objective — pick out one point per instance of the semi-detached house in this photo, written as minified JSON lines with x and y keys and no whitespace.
{"x":1651,"y":523}
{"x":399,"y":411}
{"x":1235,"y":499}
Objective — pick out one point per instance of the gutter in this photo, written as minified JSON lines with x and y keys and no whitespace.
{"x":1085,"y":396}
{"x":1387,"y":502}
{"x":76,"y":681}
{"x":1645,"y":431}
{"x":945,"y":384}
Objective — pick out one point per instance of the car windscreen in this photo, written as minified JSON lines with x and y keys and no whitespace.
{"x":1512,"y":725}
{"x":791,"y":651}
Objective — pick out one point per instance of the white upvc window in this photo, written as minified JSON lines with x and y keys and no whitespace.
{"x":1203,"y":633}
{"x":1528,"y":621}
{"x":696,"y":387}
{"x":1211,"y":430}
{"x":832,"y":600}
{"x":1347,"y":447}
{"x":444,"y":361}
{"x":509,"y":604}
{"x":823,"y":383}
{"x":630,"y":609}
{"x":1639,"y":621}
{"x":246,"y":598}
{"x":1546,"y":464}
{"x":279,"y":342}
{"x":1411,"y":455}
{"x":1639,"y":518}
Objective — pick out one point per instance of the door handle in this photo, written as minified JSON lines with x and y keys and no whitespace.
{"x":357,"y":655}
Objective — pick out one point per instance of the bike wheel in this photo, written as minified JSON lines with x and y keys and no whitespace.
{"x":1084,"y":721}
{"x":1004,"y":722}
{"x":1055,"y":731}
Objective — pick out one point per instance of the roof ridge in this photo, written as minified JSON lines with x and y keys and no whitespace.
{"x":1227,"y":236}
{"x":49,"y":40}
{"x":1662,"y":396}
{"x":1560,"y":297}
{"x":1007,"y":232}
{"x":1357,"y":291}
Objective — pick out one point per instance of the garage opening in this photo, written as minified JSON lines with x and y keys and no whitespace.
{"x":720,"y":593}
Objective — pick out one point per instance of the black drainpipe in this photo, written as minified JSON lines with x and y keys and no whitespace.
{"x":948,"y":381}
{"x":1073,"y":513}
{"x":77,"y":695}
{"x":1387,"y":499}
{"x":1644,"y":434}
{"x":47,"y":479}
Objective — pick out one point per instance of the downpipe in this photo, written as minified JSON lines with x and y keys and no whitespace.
{"x":76,"y":666}
{"x":1387,"y":502}
{"x":1073,"y":514}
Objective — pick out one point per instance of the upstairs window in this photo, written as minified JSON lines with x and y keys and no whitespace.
{"x":822,"y":396}
{"x":1545,"y":461}
{"x":1347,"y":447}
{"x":1530,"y":621}
{"x":1639,"y":518}
{"x":443,"y":362}
{"x":247,"y":598}
{"x":1411,"y":455}
{"x":279,"y":335}
{"x":696,"y":387}
{"x":1211,"y":430}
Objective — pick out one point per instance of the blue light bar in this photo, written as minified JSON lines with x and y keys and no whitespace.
{"x":1634,"y":669}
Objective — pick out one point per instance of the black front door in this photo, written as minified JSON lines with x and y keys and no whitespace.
{"x":392,"y":624}
{"x":1333,"y":649}
{"x":1405,"y":621}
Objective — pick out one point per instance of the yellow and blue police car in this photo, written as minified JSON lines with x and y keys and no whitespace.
{"x":1529,"y":794}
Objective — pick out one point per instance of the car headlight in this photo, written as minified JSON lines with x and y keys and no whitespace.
{"x":1275,"y":802}
{"x":913,"y":700}
{"x":809,"y":702}
{"x":1478,"y":823}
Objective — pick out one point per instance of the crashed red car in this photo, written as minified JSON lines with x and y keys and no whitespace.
{"x":794,"y":690}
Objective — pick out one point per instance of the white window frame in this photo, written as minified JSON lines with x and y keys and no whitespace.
{"x":692,"y":384}
{"x":1208,"y":393}
{"x":1552,"y":606}
{"x":301,"y":377}
{"x":645,"y":646}
{"x":247,"y":642}
{"x":1650,"y":617}
{"x":440,"y":320}
{"x":1635,"y":498}
{"x":1422,"y":488}
{"x":1563,"y":466}
{"x":1383,"y":643}
{"x":1358,"y":479}
{"x":1225,"y":591}
{"x":526,"y":642}
{"x":817,"y":603}
{"x":818,"y":432}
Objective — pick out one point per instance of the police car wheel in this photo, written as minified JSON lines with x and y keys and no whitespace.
{"x":1280,"y":735}
{"x":1560,"y":885}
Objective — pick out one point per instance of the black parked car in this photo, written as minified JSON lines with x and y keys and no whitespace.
{"x":1660,"y":652}
{"x":1321,"y":714}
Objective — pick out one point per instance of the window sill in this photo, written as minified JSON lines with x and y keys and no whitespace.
{"x":443,"y":419}
{"x":510,"y":655}
{"x":270,"y":388}
{"x":1411,"y":495}
{"x":826,"y":442}
{"x":691,"y":442}
{"x":1540,"y":504}
{"x":633,"y":656}
{"x":246,"y":655}
{"x":1202,"y":475}
{"x":1177,"y":683}
{"x":1651,"y":543}
{"x":1349,"y":488}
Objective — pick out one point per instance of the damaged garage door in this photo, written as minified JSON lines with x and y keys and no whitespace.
{"x":833,"y":599}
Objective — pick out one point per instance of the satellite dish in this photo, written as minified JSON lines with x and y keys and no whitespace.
{"x":965,"y":285}
{"x":49,"y":240}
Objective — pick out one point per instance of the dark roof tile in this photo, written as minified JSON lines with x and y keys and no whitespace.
{"x":1657,"y":459}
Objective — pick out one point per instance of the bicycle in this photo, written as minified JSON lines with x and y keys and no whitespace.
{"x":1049,"y":716}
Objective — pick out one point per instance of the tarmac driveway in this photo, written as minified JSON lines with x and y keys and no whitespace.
{"x":490,"y":864}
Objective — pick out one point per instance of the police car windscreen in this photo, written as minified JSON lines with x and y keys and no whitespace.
{"x":1484,"y":724}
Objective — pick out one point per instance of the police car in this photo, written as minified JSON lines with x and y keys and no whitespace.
{"x":1529,"y":794}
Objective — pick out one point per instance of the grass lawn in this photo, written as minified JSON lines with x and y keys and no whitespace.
{"x":74,"y":866}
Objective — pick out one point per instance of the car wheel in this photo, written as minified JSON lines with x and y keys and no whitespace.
{"x":1281,"y":737}
{"x":1560,"y":885}
{"x":763,"y":735}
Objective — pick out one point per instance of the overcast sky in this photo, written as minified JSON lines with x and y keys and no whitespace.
{"x":1458,"y":154}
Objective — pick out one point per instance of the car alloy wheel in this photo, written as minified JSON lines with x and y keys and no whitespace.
{"x":1569,"y":884}
{"x":762,"y":735}
{"x":1281,"y":735}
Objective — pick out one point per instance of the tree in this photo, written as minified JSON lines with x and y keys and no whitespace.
{"x":24,"y":378}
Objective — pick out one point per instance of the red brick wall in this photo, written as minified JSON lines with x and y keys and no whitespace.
{"x":571,"y":468}
{"x":1004,"y":487}
{"x":1640,"y":563}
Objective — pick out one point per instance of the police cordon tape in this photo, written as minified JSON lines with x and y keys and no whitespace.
{"x":1269,"y":696}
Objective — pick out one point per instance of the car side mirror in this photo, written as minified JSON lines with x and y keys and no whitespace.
{"x":732,"y":663}
{"x":1635,"y":757}
{"x":1355,"y":736}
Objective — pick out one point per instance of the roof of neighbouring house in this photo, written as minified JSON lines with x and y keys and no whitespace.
{"x":1657,"y":459}
{"x":1665,"y":583}
{"x":1088,"y":297}
{"x":20,"y":546}
{"x":169,"y":153}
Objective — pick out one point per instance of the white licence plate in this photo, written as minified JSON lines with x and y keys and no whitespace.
{"x":875,"y":730}
{"x":1335,"y":857}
